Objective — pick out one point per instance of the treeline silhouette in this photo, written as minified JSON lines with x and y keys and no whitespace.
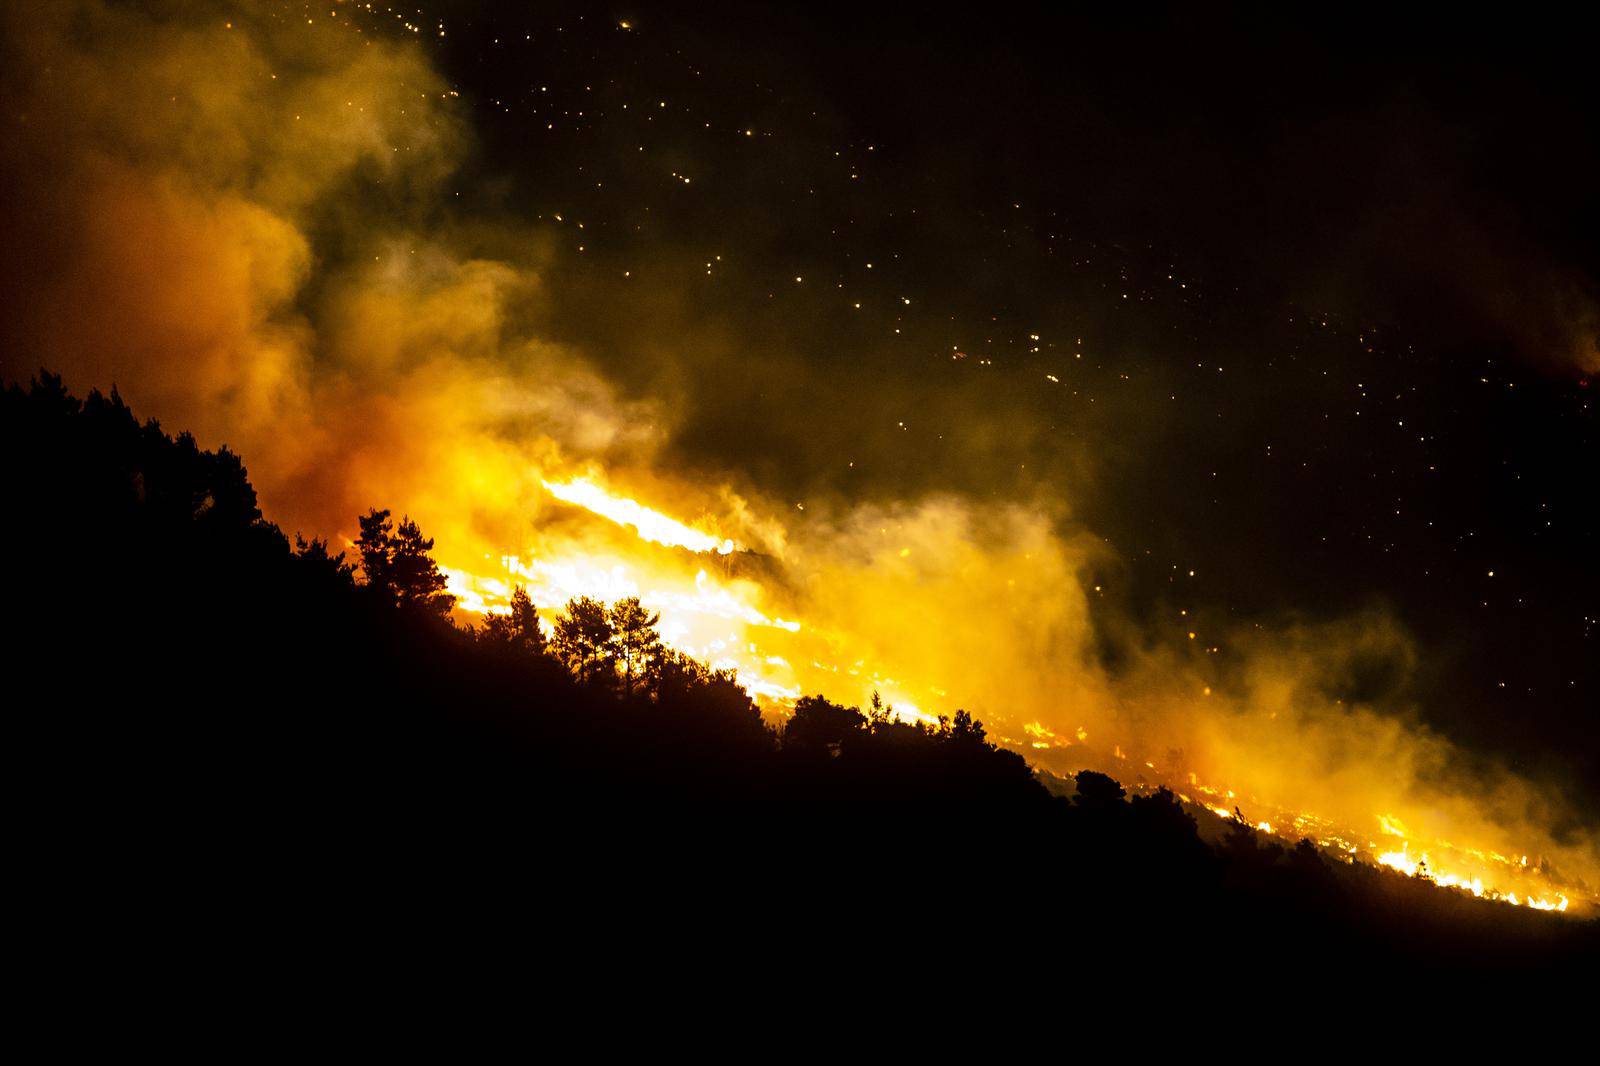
{"x":215,"y":725}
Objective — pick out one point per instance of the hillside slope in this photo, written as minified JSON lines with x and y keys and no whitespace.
{"x":219,"y":733}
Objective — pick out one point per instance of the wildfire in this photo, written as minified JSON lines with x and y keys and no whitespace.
{"x":716,"y":618}
{"x":723,"y":620}
{"x":1402,"y":861}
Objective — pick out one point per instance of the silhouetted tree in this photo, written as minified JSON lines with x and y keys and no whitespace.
{"x":963,"y":730}
{"x":1161,"y":813}
{"x":1096,"y":791}
{"x":818,"y":724}
{"x":1241,"y":842}
{"x":724,"y":702}
{"x":879,"y":714}
{"x":1306,"y":861}
{"x":314,"y":555}
{"x":675,"y":676}
{"x":583,"y":640}
{"x":688,"y":689}
{"x":397,"y":566}
{"x":635,"y":642}
{"x":518,"y":628}
{"x":1166,"y":833}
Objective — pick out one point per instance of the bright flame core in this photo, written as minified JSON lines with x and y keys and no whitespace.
{"x":652,"y":526}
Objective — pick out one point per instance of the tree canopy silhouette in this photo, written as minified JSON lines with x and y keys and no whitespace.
{"x":819,"y":724}
{"x":583,"y":640}
{"x":519,"y":628}
{"x":635,"y":641}
{"x":397,"y":566}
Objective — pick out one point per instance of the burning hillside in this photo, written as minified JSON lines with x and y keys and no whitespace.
{"x":711,"y":611}
{"x":610,"y":321}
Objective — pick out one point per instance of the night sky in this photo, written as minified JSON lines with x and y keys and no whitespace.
{"x":1303,"y":305}
{"x":1286,"y":320}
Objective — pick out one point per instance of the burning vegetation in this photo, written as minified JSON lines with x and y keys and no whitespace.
{"x":717,"y":619}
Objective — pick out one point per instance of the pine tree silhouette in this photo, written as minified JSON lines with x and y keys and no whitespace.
{"x":397,"y":566}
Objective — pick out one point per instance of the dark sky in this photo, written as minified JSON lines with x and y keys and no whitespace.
{"x":1316,"y":290}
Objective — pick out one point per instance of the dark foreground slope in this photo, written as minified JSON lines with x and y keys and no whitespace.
{"x":224,"y":745}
